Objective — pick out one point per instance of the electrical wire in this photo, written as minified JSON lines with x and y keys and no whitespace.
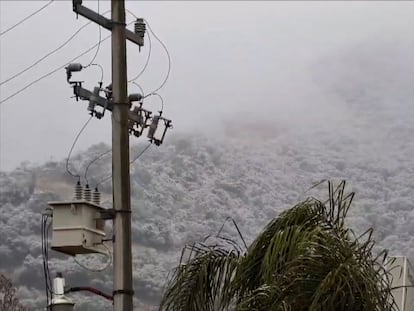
{"x":45,"y":227}
{"x":168,"y":55}
{"x":54,"y":71}
{"x":159,"y":96}
{"x":140,"y":154}
{"x":146,"y":61}
{"x":91,"y":290}
{"x":44,"y":259}
{"x":165,"y":49}
{"x":149,"y":95}
{"x":140,"y":88}
{"x":50,"y":73}
{"x":102,"y":71}
{"x":49,"y":54}
{"x":99,"y":45}
{"x":73,"y":146}
{"x":93,"y":161}
{"x":44,"y":57}
{"x":131,"y":162}
{"x":27,"y":17}
{"x":106,"y":266}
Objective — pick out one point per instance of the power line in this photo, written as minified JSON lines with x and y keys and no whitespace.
{"x":165,"y":49}
{"x":44,"y":57}
{"x":146,"y":61}
{"x":48,"y":54}
{"x":131,"y":162}
{"x":26,"y":18}
{"x":101,"y":69}
{"x":140,"y":154}
{"x":45,"y":228}
{"x":168,"y":55}
{"x":149,"y":95}
{"x":93,"y":161}
{"x":51,"y":72}
{"x":159,"y":96}
{"x":100,"y":269}
{"x":55,"y":70}
{"x":99,"y":45}
{"x":73,"y":146}
{"x":140,"y":88}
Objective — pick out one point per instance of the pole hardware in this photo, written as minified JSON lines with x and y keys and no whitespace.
{"x":136,"y":37}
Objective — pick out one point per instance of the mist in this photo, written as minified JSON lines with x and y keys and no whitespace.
{"x":237,"y":67}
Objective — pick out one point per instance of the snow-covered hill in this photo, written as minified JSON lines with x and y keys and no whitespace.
{"x":249,"y":170}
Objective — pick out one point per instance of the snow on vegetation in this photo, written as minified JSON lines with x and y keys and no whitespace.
{"x":184,"y":190}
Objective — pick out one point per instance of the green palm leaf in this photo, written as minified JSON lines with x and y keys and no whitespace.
{"x":203,"y":282}
{"x":306,"y":259}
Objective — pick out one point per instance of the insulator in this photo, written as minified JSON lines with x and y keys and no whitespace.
{"x":96,"y":197}
{"x":135,"y":97}
{"x":74,"y":67}
{"x":140,"y":27}
{"x":87,"y":193}
{"x":78,"y":191}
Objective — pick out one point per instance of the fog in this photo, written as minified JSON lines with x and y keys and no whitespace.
{"x":285,"y":66}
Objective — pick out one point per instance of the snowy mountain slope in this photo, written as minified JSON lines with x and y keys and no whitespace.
{"x":183,"y":191}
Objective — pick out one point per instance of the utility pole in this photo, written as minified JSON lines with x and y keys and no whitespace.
{"x":123,"y":291}
{"x":126,"y":119}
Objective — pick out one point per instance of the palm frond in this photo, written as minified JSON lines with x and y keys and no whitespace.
{"x":306,"y":259}
{"x":203,"y":281}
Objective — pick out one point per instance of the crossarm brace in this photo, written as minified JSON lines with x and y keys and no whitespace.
{"x":106,"y":23}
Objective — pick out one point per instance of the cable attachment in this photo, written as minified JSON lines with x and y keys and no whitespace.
{"x":78,"y":191}
{"x":87,"y":193}
{"x":140,"y":29}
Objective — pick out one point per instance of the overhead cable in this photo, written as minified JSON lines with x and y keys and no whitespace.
{"x":26,"y":18}
{"x":140,"y":88}
{"x":159,"y":96}
{"x":89,"y":289}
{"x":101,"y":69}
{"x":165,"y":49}
{"x":55,"y":70}
{"x":131,"y":162}
{"x":73,"y":146}
{"x":93,"y":161}
{"x":100,"y":269}
{"x":139,"y":74}
{"x":99,"y":43}
{"x":168,"y":55}
{"x":48,"y":54}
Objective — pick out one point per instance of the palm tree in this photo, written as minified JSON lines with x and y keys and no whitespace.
{"x":305,"y":259}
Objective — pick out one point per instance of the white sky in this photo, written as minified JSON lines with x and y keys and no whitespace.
{"x":246,"y":58}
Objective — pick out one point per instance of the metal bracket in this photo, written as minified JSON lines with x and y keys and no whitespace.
{"x":123,"y":291}
{"x":106,"y":23}
{"x":107,"y":214}
{"x":85,"y":94}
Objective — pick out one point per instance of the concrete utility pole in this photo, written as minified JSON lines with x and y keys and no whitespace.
{"x":124,"y":122}
{"x":123,"y":291}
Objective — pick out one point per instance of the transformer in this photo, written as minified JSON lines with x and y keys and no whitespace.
{"x":77,"y":227}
